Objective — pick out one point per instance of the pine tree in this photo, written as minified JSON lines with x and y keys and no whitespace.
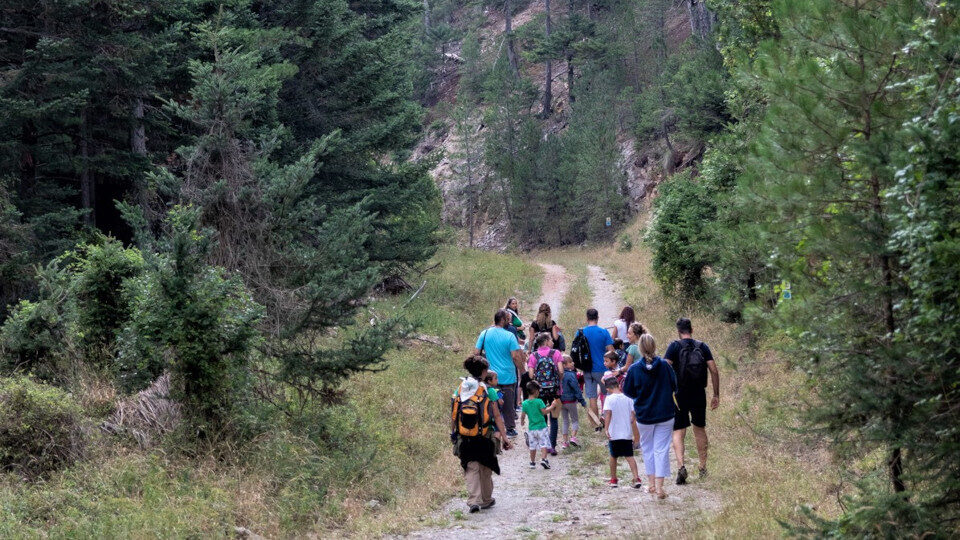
{"x":303,"y":258}
{"x":820,"y":177}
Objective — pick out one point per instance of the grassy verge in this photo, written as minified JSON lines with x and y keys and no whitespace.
{"x":373,"y":462}
{"x":761,"y":467}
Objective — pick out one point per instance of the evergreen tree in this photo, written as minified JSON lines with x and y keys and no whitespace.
{"x":304,"y":259}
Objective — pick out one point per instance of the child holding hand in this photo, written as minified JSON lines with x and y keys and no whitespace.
{"x":621,"y":427}
{"x":538,"y":434}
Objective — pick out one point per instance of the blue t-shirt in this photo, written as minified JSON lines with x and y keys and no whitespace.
{"x":498,"y":345}
{"x":598,"y":338}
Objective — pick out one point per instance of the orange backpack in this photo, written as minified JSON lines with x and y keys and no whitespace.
{"x":472,"y":416}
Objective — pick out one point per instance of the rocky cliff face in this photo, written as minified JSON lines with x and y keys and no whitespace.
{"x":644,"y":165}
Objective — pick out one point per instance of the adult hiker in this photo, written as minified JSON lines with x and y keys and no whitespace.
{"x":622,"y":325}
{"x":599,"y":341}
{"x":505,"y":356}
{"x":651,"y":383}
{"x":512,"y":306}
{"x":472,"y":418}
{"x":691,"y":361}
{"x":545,"y":366}
{"x":633,"y":338}
{"x":544,"y":323}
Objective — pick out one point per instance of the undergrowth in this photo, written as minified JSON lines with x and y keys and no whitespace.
{"x":380,"y":450}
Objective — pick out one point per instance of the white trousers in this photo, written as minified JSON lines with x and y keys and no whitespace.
{"x":655,"y":444}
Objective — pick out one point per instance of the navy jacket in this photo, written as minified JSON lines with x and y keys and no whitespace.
{"x":570,"y":388}
{"x":651,"y":390}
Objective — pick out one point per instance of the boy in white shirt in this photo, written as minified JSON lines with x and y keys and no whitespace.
{"x":621,"y":427}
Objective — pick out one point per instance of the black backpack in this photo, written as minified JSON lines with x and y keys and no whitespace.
{"x":580,"y":352}
{"x":691,"y":366}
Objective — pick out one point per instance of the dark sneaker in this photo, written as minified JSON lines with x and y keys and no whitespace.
{"x":574,"y":443}
{"x":533,"y":464}
{"x":545,"y":464}
{"x":682,"y":476}
{"x":488,"y":505}
{"x":553,"y":452}
{"x":474,"y":508}
{"x":636,"y":483}
{"x":703,"y":473}
{"x":511,"y":433}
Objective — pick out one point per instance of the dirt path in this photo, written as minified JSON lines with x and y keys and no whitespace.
{"x":571,"y":499}
{"x":606,"y":296}
{"x":556,"y":283}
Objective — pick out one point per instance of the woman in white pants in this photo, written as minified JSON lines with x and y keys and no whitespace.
{"x":652,"y":385}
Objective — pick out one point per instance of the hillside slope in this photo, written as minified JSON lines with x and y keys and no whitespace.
{"x":643,"y":164}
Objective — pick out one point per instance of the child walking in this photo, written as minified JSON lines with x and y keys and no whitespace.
{"x":570,"y":395}
{"x":621,"y":427}
{"x":538,"y":434}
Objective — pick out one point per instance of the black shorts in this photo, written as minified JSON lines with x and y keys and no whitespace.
{"x":621,"y":448}
{"x":692,"y":408}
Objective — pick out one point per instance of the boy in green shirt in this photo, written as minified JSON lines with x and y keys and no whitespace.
{"x":538,"y":434}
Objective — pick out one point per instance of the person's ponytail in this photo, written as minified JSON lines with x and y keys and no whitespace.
{"x":648,"y":347}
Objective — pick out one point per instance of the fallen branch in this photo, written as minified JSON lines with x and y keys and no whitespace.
{"x":407,"y":303}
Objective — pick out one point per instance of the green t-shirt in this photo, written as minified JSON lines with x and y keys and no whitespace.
{"x":532,"y":409}
{"x":634,"y":351}
{"x":493,"y":394}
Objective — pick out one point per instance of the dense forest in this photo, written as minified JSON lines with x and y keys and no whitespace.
{"x":206,"y":194}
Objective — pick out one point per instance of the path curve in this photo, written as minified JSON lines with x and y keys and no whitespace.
{"x":570,"y":499}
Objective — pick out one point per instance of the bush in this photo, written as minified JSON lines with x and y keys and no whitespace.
{"x":38,"y":336}
{"x":80,"y":308}
{"x":195,"y":319}
{"x":682,"y":235}
{"x":40,"y":428}
{"x":624,"y":243}
{"x":103,"y":307}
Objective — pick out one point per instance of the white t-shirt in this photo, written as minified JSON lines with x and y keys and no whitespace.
{"x":621,"y":329}
{"x":621,"y":424}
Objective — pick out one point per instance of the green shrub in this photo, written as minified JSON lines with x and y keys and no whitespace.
{"x":195,"y":319}
{"x":40,"y":428}
{"x":99,"y":274}
{"x":38,"y":336}
{"x":624,"y":243}
{"x":682,"y":234}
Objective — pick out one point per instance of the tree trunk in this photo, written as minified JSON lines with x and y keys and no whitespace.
{"x":701,"y":18}
{"x":28,"y":160}
{"x":138,"y":134}
{"x":548,"y":84}
{"x":508,"y":30}
{"x":896,"y":470}
{"x":86,"y":179}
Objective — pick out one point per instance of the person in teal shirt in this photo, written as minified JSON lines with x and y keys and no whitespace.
{"x":505,"y":357}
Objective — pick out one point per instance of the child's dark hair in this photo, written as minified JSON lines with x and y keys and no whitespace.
{"x":612,"y":355}
{"x":533,"y":386}
{"x":611,"y":382}
{"x":490,"y":376}
{"x":618,"y":343}
{"x":475,"y":364}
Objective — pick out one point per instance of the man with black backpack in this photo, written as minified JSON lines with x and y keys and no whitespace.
{"x":589,"y":345}
{"x":692,"y":360}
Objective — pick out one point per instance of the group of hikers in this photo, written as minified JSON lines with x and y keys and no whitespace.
{"x":637,"y":398}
